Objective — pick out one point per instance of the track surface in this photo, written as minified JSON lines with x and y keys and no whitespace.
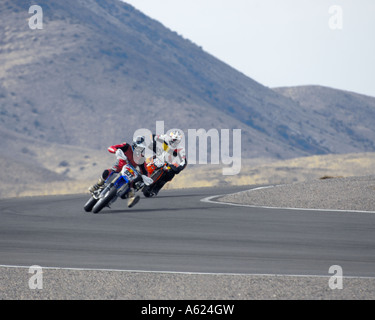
{"x":178,"y":232}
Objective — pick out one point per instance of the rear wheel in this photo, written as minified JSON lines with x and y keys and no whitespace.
{"x":90,"y":204}
{"x":105,"y":201}
{"x":146,"y":192}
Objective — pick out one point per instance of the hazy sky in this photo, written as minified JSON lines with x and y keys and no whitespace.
{"x":281,"y":42}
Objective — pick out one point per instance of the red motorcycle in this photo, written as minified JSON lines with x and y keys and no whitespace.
{"x":160,"y":173}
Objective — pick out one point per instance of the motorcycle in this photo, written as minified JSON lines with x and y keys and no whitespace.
{"x":117,"y":185}
{"x":160,"y":173}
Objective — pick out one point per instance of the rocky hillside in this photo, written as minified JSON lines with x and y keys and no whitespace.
{"x":100,"y":69}
{"x":346,"y":118}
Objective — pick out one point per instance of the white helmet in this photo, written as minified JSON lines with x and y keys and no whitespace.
{"x":138,"y":145}
{"x":175,"y":138}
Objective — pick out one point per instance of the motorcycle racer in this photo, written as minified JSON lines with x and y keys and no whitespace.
{"x":168,"y":156}
{"x":126,"y":153}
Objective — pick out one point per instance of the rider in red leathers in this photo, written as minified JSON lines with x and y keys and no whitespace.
{"x":126,"y":153}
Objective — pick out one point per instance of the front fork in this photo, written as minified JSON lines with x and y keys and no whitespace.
{"x":101,"y":193}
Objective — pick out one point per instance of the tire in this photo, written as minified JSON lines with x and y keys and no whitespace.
{"x":90,"y":204}
{"x":104,"y":201}
{"x":146,"y":193}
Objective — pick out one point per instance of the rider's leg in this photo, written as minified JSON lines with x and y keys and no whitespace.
{"x":136,"y":185}
{"x":101,"y":181}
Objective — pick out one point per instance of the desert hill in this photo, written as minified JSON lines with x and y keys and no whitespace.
{"x":99,"y":70}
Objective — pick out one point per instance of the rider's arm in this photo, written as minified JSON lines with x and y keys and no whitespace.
{"x":182,"y":162}
{"x":124,"y":147}
{"x":181,"y":167}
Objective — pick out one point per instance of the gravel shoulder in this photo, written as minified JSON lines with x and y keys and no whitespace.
{"x":63,"y":284}
{"x":351,"y":194}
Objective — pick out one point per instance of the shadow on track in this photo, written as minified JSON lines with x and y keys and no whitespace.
{"x":124,"y":211}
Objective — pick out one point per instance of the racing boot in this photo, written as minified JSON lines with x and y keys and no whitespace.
{"x":97,"y":185}
{"x":133,"y":199}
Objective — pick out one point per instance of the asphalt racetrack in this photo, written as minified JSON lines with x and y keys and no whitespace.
{"x":177,"y":232}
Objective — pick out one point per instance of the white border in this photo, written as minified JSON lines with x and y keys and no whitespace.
{"x":210,"y":200}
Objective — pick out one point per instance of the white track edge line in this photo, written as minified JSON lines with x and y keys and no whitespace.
{"x":209,"y":200}
{"x":189,"y":273}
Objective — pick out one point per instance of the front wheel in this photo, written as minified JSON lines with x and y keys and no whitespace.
{"x":105,"y":201}
{"x":90,"y":204}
